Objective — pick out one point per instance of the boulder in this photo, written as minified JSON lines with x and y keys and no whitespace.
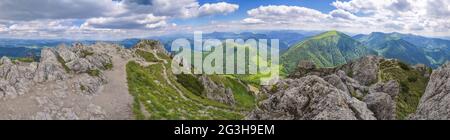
{"x":50,"y":68}
{"x":392,"y":88}
{"x":382,"y":105}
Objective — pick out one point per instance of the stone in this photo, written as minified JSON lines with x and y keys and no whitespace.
{"x":382,"y":105}
{"x":311,"y":98}
{"x":435,"y":103}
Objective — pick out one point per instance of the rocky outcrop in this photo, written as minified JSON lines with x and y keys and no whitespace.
{"x":392,"y":88}
{"x":352,"y":91}
{"x":364,"y":70}
{"x":16,"y":78}
{"x":51,"y":67}
{"x":423,"y":70}
{"x":81,"y":59}
{"x":435,"y":103}
{"x":151,"y":46}
{"x":56,"y":64}
{"x":381,"y":104}
{"x":310,"y":98}
{"x":217,"y":92}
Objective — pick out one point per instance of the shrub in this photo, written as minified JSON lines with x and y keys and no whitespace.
{"x":94,"y":73}
{"x":109,"y":66}
{"x":86,"y":53}
{"x":404,"y":66}
{"x":404,"y":87}
{"x":412,"y":78}
{"x":191,"y":83}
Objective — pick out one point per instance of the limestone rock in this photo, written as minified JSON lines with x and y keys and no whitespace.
{"x":382,"y":105}
{"x":365,"y":70}
{"x":336,"y":82}
{"x":311,"y":98}
{"x":50,"y":68}
{"x":217,"y":92}
{"x":435,"y":103}
{"x":392,"y":88}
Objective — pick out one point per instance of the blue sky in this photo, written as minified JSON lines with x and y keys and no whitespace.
{"x":245,"y":5}
{"x":119,"y":19}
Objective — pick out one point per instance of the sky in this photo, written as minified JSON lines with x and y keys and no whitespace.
{"x":120,"y":19}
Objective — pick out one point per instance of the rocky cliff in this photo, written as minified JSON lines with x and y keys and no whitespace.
{"x":357,"y":90}
{"x":435,"y":103}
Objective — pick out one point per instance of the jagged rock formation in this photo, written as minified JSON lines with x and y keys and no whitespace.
{"x":66,"y":83}
{"x":55,"y":65}
{"x":217,"y":92}
{"x":350,"y":91}
{"x":15,"y":79}
{"x":381,"y":104}
{"x":435,"y":103}
{"x":363,"y":70}
{"x":311,"y":98}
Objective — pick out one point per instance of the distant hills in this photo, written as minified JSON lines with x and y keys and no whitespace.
{"x":409,"y":48}
{"x":328,"y":49}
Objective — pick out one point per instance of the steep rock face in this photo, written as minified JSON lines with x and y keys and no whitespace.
{"x":364,"y":70}
{"x":392,"y":88}
{"x":435,"y":103}
{"x":310,"y":98}
{"x":217,"y":92}
{"x":357,"y":80}
{"x":381,"y":104}
{"x":50,"y":67}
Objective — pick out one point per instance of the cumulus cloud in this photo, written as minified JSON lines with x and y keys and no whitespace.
{"x":57,"y":9}
{"x":45,"y":17}
{"x":252,"y":21}
{"x":128,"y":22}
{"x":342,"y":14}
{"x":438,"y":8}
{"x":429,"y":17}
{"x":283,"y":13}
{"x":217,"y":8}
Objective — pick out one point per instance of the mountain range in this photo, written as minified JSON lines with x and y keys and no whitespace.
{"x":430,"y":51}
{"x":333,"y":48}
{"x":328,"y":49}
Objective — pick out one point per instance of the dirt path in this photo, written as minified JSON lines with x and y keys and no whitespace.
{"x":114,"y":96}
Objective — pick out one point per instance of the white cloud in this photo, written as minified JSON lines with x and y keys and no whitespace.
{"x":426,"y":17}
{"x":217,"y":8}
{"x":57,"y":9}
{"x":252,"y":21}
{"x":342,"y":14}
{"x":284,"y":14}
{"x":128,"y":18}
{"x":128,"y":22}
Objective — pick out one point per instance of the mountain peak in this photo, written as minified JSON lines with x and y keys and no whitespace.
{"x":330,"y":34}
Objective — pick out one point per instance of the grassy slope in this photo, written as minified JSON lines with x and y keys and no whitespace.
{"x":412,"y":85}
{"x":328,"y":49}
{"x":162,"y":101}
